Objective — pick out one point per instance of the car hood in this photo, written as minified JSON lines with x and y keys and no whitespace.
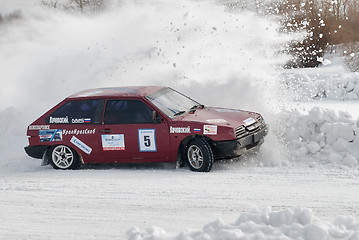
{"x":221,"y":117}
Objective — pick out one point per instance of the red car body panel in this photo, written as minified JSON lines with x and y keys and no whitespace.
{"x":160,"y":141}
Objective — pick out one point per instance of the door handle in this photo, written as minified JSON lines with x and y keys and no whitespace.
{"x":106,"y":131}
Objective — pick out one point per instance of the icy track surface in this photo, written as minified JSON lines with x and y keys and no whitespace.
{"x":105,"y":203}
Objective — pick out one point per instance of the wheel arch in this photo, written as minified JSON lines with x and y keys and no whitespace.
{"x":180,"y":158}
{"x":47,"y":154}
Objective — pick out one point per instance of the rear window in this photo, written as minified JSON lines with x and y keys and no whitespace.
{"x":78,"y":112}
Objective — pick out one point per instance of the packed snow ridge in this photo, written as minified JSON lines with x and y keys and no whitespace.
{"x":297,"y":223}
{"x":320,"y":137}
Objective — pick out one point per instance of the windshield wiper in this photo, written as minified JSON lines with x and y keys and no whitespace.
{"x":195,"y":107}
{"x":179,"y":113}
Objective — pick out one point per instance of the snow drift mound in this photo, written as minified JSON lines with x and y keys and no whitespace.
{"x":320,"y":137}
{"x":298,"y":223}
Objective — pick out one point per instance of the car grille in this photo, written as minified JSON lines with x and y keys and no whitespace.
{"x":240,"y":131}
{"x":243,"y":131}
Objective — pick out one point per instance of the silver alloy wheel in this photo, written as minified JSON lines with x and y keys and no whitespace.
{"x":195,"y":156}
{"x":62,"y":157}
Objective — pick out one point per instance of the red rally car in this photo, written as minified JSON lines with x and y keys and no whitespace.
{"x":141,"y":124}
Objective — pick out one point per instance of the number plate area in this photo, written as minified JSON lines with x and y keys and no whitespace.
{"x":253,"y":138}
{"x":147,"y":140}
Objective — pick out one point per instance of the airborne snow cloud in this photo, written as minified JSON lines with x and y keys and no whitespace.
{"x":195,"y":45}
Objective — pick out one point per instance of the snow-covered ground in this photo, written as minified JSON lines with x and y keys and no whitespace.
{"x":104,"y":203}
{"x":303,"y":184}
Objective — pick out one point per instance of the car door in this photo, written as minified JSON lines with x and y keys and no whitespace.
{"x":130,"y":133}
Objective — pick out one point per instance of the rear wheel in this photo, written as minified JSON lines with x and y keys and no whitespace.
{"x":199,"y":155}
{"x":64,"y":157}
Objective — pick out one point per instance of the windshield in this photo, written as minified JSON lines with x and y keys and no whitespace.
{"x":171,"y":102}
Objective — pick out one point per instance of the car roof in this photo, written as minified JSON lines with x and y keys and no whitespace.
{"x":136,"y":91}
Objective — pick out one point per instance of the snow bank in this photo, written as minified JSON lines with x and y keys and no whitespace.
{"x":329,"y":81}
{"x":320,"y":136}
{"x":297,"y":223}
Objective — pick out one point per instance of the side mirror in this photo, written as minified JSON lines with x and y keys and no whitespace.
{"x":155,"y":117}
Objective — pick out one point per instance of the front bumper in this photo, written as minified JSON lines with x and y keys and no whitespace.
{"x":36,"y":151}
{"x":237,"y":147}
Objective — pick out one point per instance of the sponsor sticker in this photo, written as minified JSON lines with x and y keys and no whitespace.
{"x":59,"y":119}
{"x":53,"y":135}
{"x":210,"y":129}
{"x":147,"y":140}
{"x":79,"y":131}
{"x":113,"y":142}
{"x":249,"y":121}
{"x":81,"y":120}
{"x":81,"y":145}
{"x":216,"y":121}
{"x":180,"y":129}
{"x":39,"y":127}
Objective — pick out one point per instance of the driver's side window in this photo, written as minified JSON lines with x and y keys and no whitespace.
{"x":127,"y":112}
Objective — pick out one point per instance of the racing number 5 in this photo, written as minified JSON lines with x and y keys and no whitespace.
{"x":147,"y":140}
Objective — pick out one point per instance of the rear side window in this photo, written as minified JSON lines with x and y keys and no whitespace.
{"x":127,"y":112}
{"x":78,"y":112}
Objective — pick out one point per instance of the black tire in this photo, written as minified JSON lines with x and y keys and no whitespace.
{"x":63,"y":157}
{"x":199,"y":155}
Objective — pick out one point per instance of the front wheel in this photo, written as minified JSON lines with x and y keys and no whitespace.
{"x":199,"y":155}
{"x":63,"y":157}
